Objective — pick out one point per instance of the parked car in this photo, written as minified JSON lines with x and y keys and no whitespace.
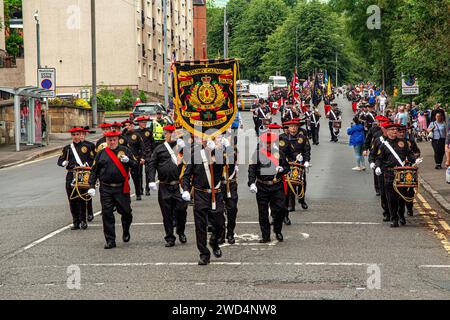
{"x":242,"y":86}
{"x":246,"y":101}
{"x":147,"y":109}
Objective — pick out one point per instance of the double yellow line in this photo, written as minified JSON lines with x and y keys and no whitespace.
{"x":434,"y":221}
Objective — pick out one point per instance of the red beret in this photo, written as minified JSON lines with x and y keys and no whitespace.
{"x":388,"y":125}
{"x":112,"y":134}
{"x":170,"y":128}
{"x":381,"y":118}
{"x":274,"y":126}
{"x":76,"y":129}
{"x":142,"y":119}
{"x":105,"y":125}
{"x":116,"y":125}
{"x":126,"y":122}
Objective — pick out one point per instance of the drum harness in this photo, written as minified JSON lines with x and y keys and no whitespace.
{"x":78,"y":170}
{"x":402,"y":164}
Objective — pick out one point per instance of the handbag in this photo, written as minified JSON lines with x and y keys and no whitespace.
{"x":430,"y":135}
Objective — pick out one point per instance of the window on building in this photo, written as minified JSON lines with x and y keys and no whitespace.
{"x":139,"y":69}
{"x":150,"y":73}
{"x":160,"y":46}
{"x":160,"y":76}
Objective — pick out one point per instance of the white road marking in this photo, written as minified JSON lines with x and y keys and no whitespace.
{"x":44,"y":238}
{"x":436,"y":266}
{"x":13,"y":166}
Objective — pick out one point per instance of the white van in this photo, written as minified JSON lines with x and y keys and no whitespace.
{"x":278,"y":82}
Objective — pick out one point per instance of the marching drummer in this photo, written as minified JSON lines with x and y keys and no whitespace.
{"x":393,"y":152}
{"x":146,"y":135}
{"x":76,"y":154}
{"x":295,"y":145}
{"x":334,"y":118}
{"x":167,"y":161}
{"x":117,"y":127}
{"x":265,"y":179}
{"x":89,"y":208}
{"x":111,"y":167}
{"x":101,"y":143}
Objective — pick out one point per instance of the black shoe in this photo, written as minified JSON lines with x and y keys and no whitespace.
{"x":403,"y":221}
{"x":209,"y":228}
{"x":138,"y":198}
{"x":387,"y":219}
{"x":221,"y":241}
{"x":170,"y":244}
{"x":126,"y":236}
{"x":75,"y":227}
{"x":182,"y":238}
{"x":377,"y":194}
{"x":271,"y":221}
{"x":90,"y":217}
{"x":394,"y":224}
{"x":83,"y":225}
{"x":279,"y":237}
{"x":231,"y":239}
{"x":203,"y":262}
{"x":110,"y":245}
{"x":147,"y":193}
{"x":410,"y":213}
{"x":217,"y":252}
{"x":287,"y":221}
{"x":304,"y":206}
{"x":264,"y":240}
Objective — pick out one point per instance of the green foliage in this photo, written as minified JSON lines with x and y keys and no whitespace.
{"x":142,"y":96}
{"x":105,"y":100}
{"x":11,"y":6}
{"x":214,"y":23}
{"x":260,"y":19}
{"x":13,"y":43}
{"x":126,"y":100}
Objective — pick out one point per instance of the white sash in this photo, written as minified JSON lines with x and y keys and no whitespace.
{"x":75,"y":153}
{"x":402,"y":164}
{"x":314,"y":118}
{"x":334,"y":115}
{"x":172,"y":154}
{"x":372,"y":116}
{"x":206,"y":166}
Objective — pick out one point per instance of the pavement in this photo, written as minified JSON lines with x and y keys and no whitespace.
{"x":337,"y":249}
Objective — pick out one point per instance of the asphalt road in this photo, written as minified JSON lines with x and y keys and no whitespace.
{"x":334,"y":250}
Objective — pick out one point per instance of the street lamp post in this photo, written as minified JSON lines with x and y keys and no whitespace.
{"x":94,"y":65}
{"x":341,"y":45}
{"x":38,"y":39}
{"x":165,"y":58}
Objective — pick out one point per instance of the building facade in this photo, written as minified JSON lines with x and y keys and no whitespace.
{"x":200,"y":32}
{"x":129,"y":41}
{"x":2,"y":26}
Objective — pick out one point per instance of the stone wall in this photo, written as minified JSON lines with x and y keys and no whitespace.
{"x":7,"y":122}
{"x":62,"y":118}
{"x":13,"y":77}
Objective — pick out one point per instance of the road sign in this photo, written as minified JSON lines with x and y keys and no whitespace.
{"x":410,"y":86}
{"x":47,"y":80}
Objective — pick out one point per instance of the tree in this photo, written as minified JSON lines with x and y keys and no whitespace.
{"x":249,"y":43}
{"x":235,"y":12}
{"x":214,"y":23}
{"x":143,"y":97}
{"x":126,"y":100}
{"x":13,"y":43}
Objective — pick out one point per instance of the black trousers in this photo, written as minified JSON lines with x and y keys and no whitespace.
{"x":272,"y":196}
{"x":393,"y":198}
{"x":439,"y":150}
{"x":136,"y":175}
{"x":110,"y":198}
{"x":203,"y":214}
{"x":315,"y":133}
{"x":147,"y":173}
{"x":291,"y":197}
{"x":409,"y":193}
{"x":77,"y":205}
{"x":384,"y":201}
{"x":172,"y":206}
{"x":376,"y":182}
{"x":231,"y":209}
{"x":332,"y":133}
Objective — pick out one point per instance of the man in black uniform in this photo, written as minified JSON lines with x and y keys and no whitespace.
{"x":204,"y":173}
{"x":117,"y":127}
{"x":296,"y":147}
{"x":391,"y":151}
{"x":146,"y":135}
{"x":265,"y":178}
{"x":315,"y":125}
{"x":259,"y":114}
{"x":167,"y":160}
{"x":101,"y":143}
{"x":89,"y":208}
{"x":112,"y":166}
{"x":334,"y":115}
{"x":76,"y":154}
{"x":136,"y":145}
{"x":409,"y":192}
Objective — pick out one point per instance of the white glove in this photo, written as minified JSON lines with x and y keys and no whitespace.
{"x":225,"y":142}
{"x":236,"y":168}
{"x":211,"y":145}
{"x":419,"y":161}
{"x":253,"y":188}
{"x":280,"y":169}
{"x":91,"y":192}
{"x":180,"y":143}
{"x":186,"y":196}
{"x":372,"y":166}
{"x":65,"y":163}
{"x":299,"y":158}
{"x":124,"y":159}
{"x":307,"y":165}
{"x":378,"y":171}
{"x":152,"y":186}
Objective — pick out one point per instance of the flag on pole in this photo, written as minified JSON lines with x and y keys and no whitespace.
{"x":329,"y":91}
{"x":317,"y":92}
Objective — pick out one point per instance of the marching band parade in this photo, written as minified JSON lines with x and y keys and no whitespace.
{"x":191,"y":168}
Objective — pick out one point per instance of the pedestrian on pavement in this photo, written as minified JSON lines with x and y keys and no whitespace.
{"x":439,"y":130}
{"x":111,"y":167}
{"x":357,"y":137}
{"x":167,"y":161}
{"x":437,"y":110}
{"x":76,"y":154}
